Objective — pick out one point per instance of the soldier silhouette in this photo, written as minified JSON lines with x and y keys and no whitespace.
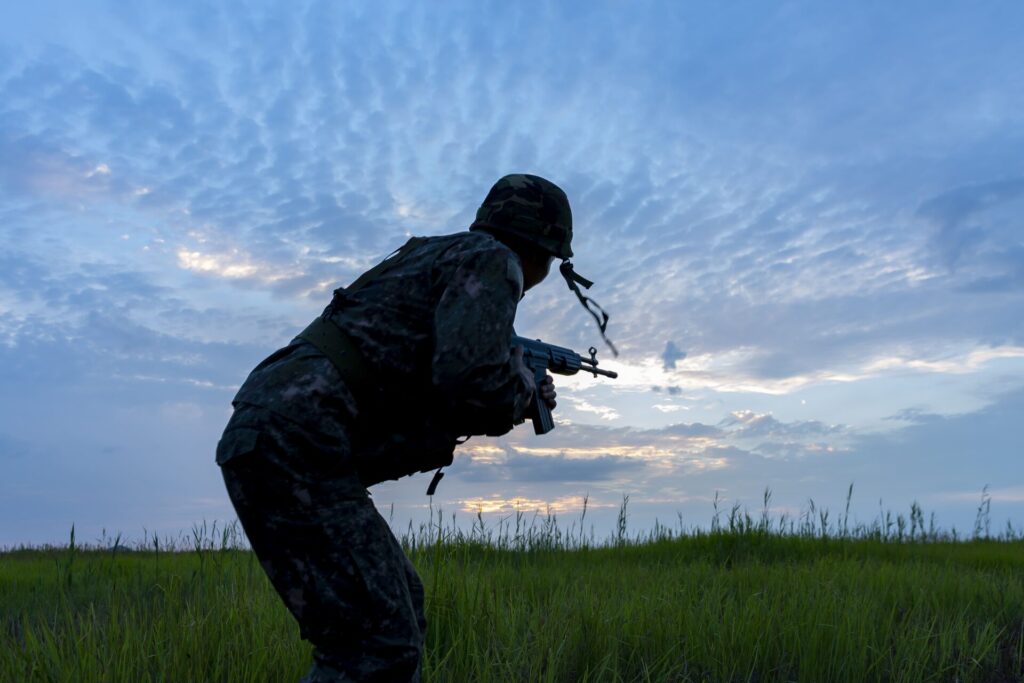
{"x":411,"y":356}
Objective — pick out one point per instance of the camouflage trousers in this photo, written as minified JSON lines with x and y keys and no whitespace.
{"x":327,"y":551}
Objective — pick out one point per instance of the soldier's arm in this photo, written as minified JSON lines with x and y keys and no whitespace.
{"x":474,"y":370}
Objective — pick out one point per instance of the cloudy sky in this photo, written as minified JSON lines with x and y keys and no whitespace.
{"x":804,"y":219}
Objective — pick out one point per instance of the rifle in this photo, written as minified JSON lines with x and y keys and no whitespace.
{"x":541,"y":358}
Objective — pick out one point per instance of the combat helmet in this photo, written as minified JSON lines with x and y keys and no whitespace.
{"x":531,"y":209}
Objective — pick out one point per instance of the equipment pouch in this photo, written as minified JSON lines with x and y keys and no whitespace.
{"x":401,"y":454}
{"x":236,"y":442}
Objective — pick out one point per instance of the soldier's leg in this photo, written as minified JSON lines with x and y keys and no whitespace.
{"x":335,"y":564}
{"x":417,"y":594}
{"x":388,"y":642}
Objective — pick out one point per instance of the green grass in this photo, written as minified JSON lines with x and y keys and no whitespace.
{"x":748,"y":600}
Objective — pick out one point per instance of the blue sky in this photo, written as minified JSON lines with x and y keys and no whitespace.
{"x":804,"y":219}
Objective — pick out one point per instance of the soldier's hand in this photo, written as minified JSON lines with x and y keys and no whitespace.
{"x":547,"y":387}
{"x":517,"y":360}
{"x":547,"y":391}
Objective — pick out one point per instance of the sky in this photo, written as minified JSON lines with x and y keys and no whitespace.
{"x":804,"y":219}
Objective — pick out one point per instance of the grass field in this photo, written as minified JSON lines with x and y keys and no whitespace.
{"x":748,"y":600}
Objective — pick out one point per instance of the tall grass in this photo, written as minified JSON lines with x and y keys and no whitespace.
{"x":752,"y":598}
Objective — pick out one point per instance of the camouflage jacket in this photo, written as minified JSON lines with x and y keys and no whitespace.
{"x":436,"y":330}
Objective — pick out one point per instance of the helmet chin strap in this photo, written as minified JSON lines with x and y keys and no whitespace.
{"x":574,"y":280}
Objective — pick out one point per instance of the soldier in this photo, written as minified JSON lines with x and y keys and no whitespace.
{"x":411,"y":356}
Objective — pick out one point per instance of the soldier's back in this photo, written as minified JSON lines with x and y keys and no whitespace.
{"x":391,"y":320}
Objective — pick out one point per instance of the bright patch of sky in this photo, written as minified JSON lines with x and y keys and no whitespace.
{"x":805,"y":221}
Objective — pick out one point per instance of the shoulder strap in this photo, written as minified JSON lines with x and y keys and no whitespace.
{"x":393,"y":259}
{"x":334,"y":343}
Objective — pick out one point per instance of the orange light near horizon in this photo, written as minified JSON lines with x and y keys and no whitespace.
{"x":520,"y":504}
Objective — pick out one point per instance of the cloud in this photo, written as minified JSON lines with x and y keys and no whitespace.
{"x":592,"y":453}
{"x":560,"y":505}
{"x":913,"y":415}
{"x":977,"y":235}
{"x":314,"y":180}
{"x":526,"y":468}
{"x":748,"y":424}
{"x":604,"y":412}
{"x":769,"y":205}
{"x":671,"y":355}
{"x":31,"y":165}
{"x":107,"y":350}
{"x":972,"y":217}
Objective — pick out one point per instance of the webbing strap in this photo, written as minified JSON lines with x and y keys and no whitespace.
{"x":574,"y":280}
{"x":389,"y":262}
{"x":332,"y":341}
{"x":339,"y":348}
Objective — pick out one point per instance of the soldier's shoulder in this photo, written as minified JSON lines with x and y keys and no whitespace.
{"x":486,"y":257}
{"x":477,"y":246}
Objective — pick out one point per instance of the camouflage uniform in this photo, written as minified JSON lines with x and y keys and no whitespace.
{"x":302,"y":445}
